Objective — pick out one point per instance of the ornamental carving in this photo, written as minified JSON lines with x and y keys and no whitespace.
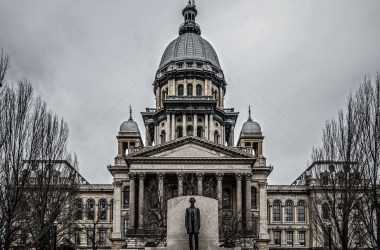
{"x":262,"y":184}
{"x":117,"y":183}
{"x":200,"y":176}
{"x":132,"y":176}
{"x":141,"y":176}
{"x":219,"y":176}
{"x":248,"y":177}
{"x":180,"y":176}
{"x":238,"y":176}
{"x":160,"y":176}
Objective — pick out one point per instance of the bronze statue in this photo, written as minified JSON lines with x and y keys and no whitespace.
{"x":193,"y":223}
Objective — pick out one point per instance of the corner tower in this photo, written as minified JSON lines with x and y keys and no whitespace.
{"x":189,"y":87}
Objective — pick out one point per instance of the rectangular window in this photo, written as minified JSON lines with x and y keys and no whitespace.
{"x":102,"y":237}
{"x":126,"y":226}
{"x":199,"y":66}
{"x":302,"y":239}
{"x":289,"y":238}
{"x":326,"y":238}
{"x":180,"y":65}
{"x":277,"y":238}
{"x":77,"y":236}
{"x":90,"y":237}
{"x":254,"y":226}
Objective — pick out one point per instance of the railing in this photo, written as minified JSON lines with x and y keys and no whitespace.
{"x":207,"y":98}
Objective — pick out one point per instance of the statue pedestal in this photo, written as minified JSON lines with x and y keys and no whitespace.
{"x":177,"y":237}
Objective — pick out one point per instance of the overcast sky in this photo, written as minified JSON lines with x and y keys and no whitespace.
{"x":294,"y":61}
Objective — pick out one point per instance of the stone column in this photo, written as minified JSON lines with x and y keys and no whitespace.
{"x":212,"y":128}
{"x":206,"y":126}
{"x":180,"y":177}
{"x":132,"y":203}
{"x":195,"y":124}
{"x":184,"y":125}
{"x":219,"y":189}
{"x":200,"y":183}
{"x":238,"y":177}
{"x":161,"y":177}
{"x":263,"y":211}
{"x":141,"y":200}
{"x":117,"y":210}
{"x":248,"y":214}
{"x":173,"y":126}
{"x":167,"y":128}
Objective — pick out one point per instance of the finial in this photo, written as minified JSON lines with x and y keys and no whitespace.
{"x":249,"y":112}
{"x":130,"y":112}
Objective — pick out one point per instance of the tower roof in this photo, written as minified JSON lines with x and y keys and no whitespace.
{"x":250,"y":126}
{"x":129,"y":126}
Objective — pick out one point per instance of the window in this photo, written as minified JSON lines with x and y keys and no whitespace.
{"x":325,"y":211}
{"x":179,"y":132}
{"x":90,"y":237}
{"x":189,"y":130}
{"x":126,"y":226}
{"x":288,"y":210}
{"x":277,"y":210}
{"x":189,"y":65}
{"x":79,"y":209}
{"x":77,"y":236}
{"x":301,"y":211}
{"x":189,"y":118}
{"x":90,"y":209}
{"x":289,"y":238}
{"x":180,"y":90}
{"x":111,"y":210}
{"x":126,"y":197}
{"x":102,"y":237}
{"x":180,"y":65}
{"x":277,"y":238}
{"x":358,"y":237}
{"x":102,"y":210}
{"x":163,"y":136}
{"x":253,"y":197}
{"x":216,"y":137}
{"x":199,"y":89}
{"x":199,"y":131}
{"x":189,"y":89}
{"x":302,"y":238}
{"x":254,"y":226}
{"x":326,"y":238}
{"x":226,"y":198}
{"x":55,"y":179}
{"x":199,"y":65}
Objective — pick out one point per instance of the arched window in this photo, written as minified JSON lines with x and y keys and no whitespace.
{"x":199,"y":131}
{"x":325,"y":211}
{"x":277,"y":210}
{"x":126,"y":197}
{"x":180,"y":90}
{"x":216,"y":136}
{"x":199,"y":89}
{"x":179,"y":132}
{"x":253,"y":197}
{"x":289,"y":210}
{"x":189,"y":89}
{"x":163,"y":136}
{"x":79,"y":209}
{"x":226,"y":198}
{"x":91,"y":209}
{"x":102,"y":210}
{"x":301,"y":210}
{"x":189,"y":130}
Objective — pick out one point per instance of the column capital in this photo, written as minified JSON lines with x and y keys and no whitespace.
{"x":180,"y":176}
{"x":160,"y":176}
{"x":132,"y":175}
{"x":248,"y":177}
{"x":117,"y":183}
{"x":219,"y":176}
{"x":238,"y":176}
{"x":262,"y":184}
{"x":200,"y":176}
{"x":141,"y":176}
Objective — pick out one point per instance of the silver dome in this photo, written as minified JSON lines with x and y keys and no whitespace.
{"x":250,"y":127}
{"x":190,"y":46}
{"x":129,"y":127}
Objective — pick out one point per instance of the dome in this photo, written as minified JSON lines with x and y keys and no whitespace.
{"x":250,"y":127}
{"x":129,"y":127}
{"x":190,"y":46}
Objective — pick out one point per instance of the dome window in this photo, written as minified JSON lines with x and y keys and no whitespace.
{"x":180,"y":65}
{"x":189,"y":65}
{"x":180,"y":90}
{"x":199,"y":90}
{"x":199,"y":65}
{"x":189,"y":89}
{"x":189,"y":119}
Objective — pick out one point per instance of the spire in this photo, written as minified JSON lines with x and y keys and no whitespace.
{"x":189,"y":13}
{"x":130,"y":113}
{"x":249,"y":113}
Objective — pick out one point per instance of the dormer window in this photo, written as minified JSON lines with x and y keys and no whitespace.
{"x":189,"y":65}
{"x":199,"y":65}
{"x":180,"y":65}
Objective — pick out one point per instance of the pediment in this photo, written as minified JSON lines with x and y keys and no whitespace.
{"x":190,"y":150}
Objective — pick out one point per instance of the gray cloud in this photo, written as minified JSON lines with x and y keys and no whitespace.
{"x":295,"y":61}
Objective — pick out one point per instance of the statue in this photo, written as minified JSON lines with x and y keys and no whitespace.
{"x":193,"y":223}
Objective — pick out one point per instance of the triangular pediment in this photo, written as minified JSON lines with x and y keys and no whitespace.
{"x":191,"y":147}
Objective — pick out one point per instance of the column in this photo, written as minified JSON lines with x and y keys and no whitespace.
{"x":160,"y":177}
{"x":219,"y":189}
{"x":263,"y":233}
{"x":200,"y":183}
{"x":147,"y":136}
{"x":195,"y":124}
{"x":238,"y":178}
{"x":180,"y":177}
{"x":132,"y":203}
{"x":173,"y":126}
{"x":155,"y":135}
{"x":117,"y":210}
{"x":212,"y":129}
{"x":248,"y":215}
{"x":184,"y":125}
{"x":141,"y":200}
{"x":206,"y":126}
{"x":167,"y":128}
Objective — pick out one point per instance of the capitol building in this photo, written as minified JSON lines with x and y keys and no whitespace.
{"x":187,"y":148}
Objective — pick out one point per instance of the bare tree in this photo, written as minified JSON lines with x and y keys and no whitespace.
{"x":4,"y":64}
{"x":32,"y":140}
